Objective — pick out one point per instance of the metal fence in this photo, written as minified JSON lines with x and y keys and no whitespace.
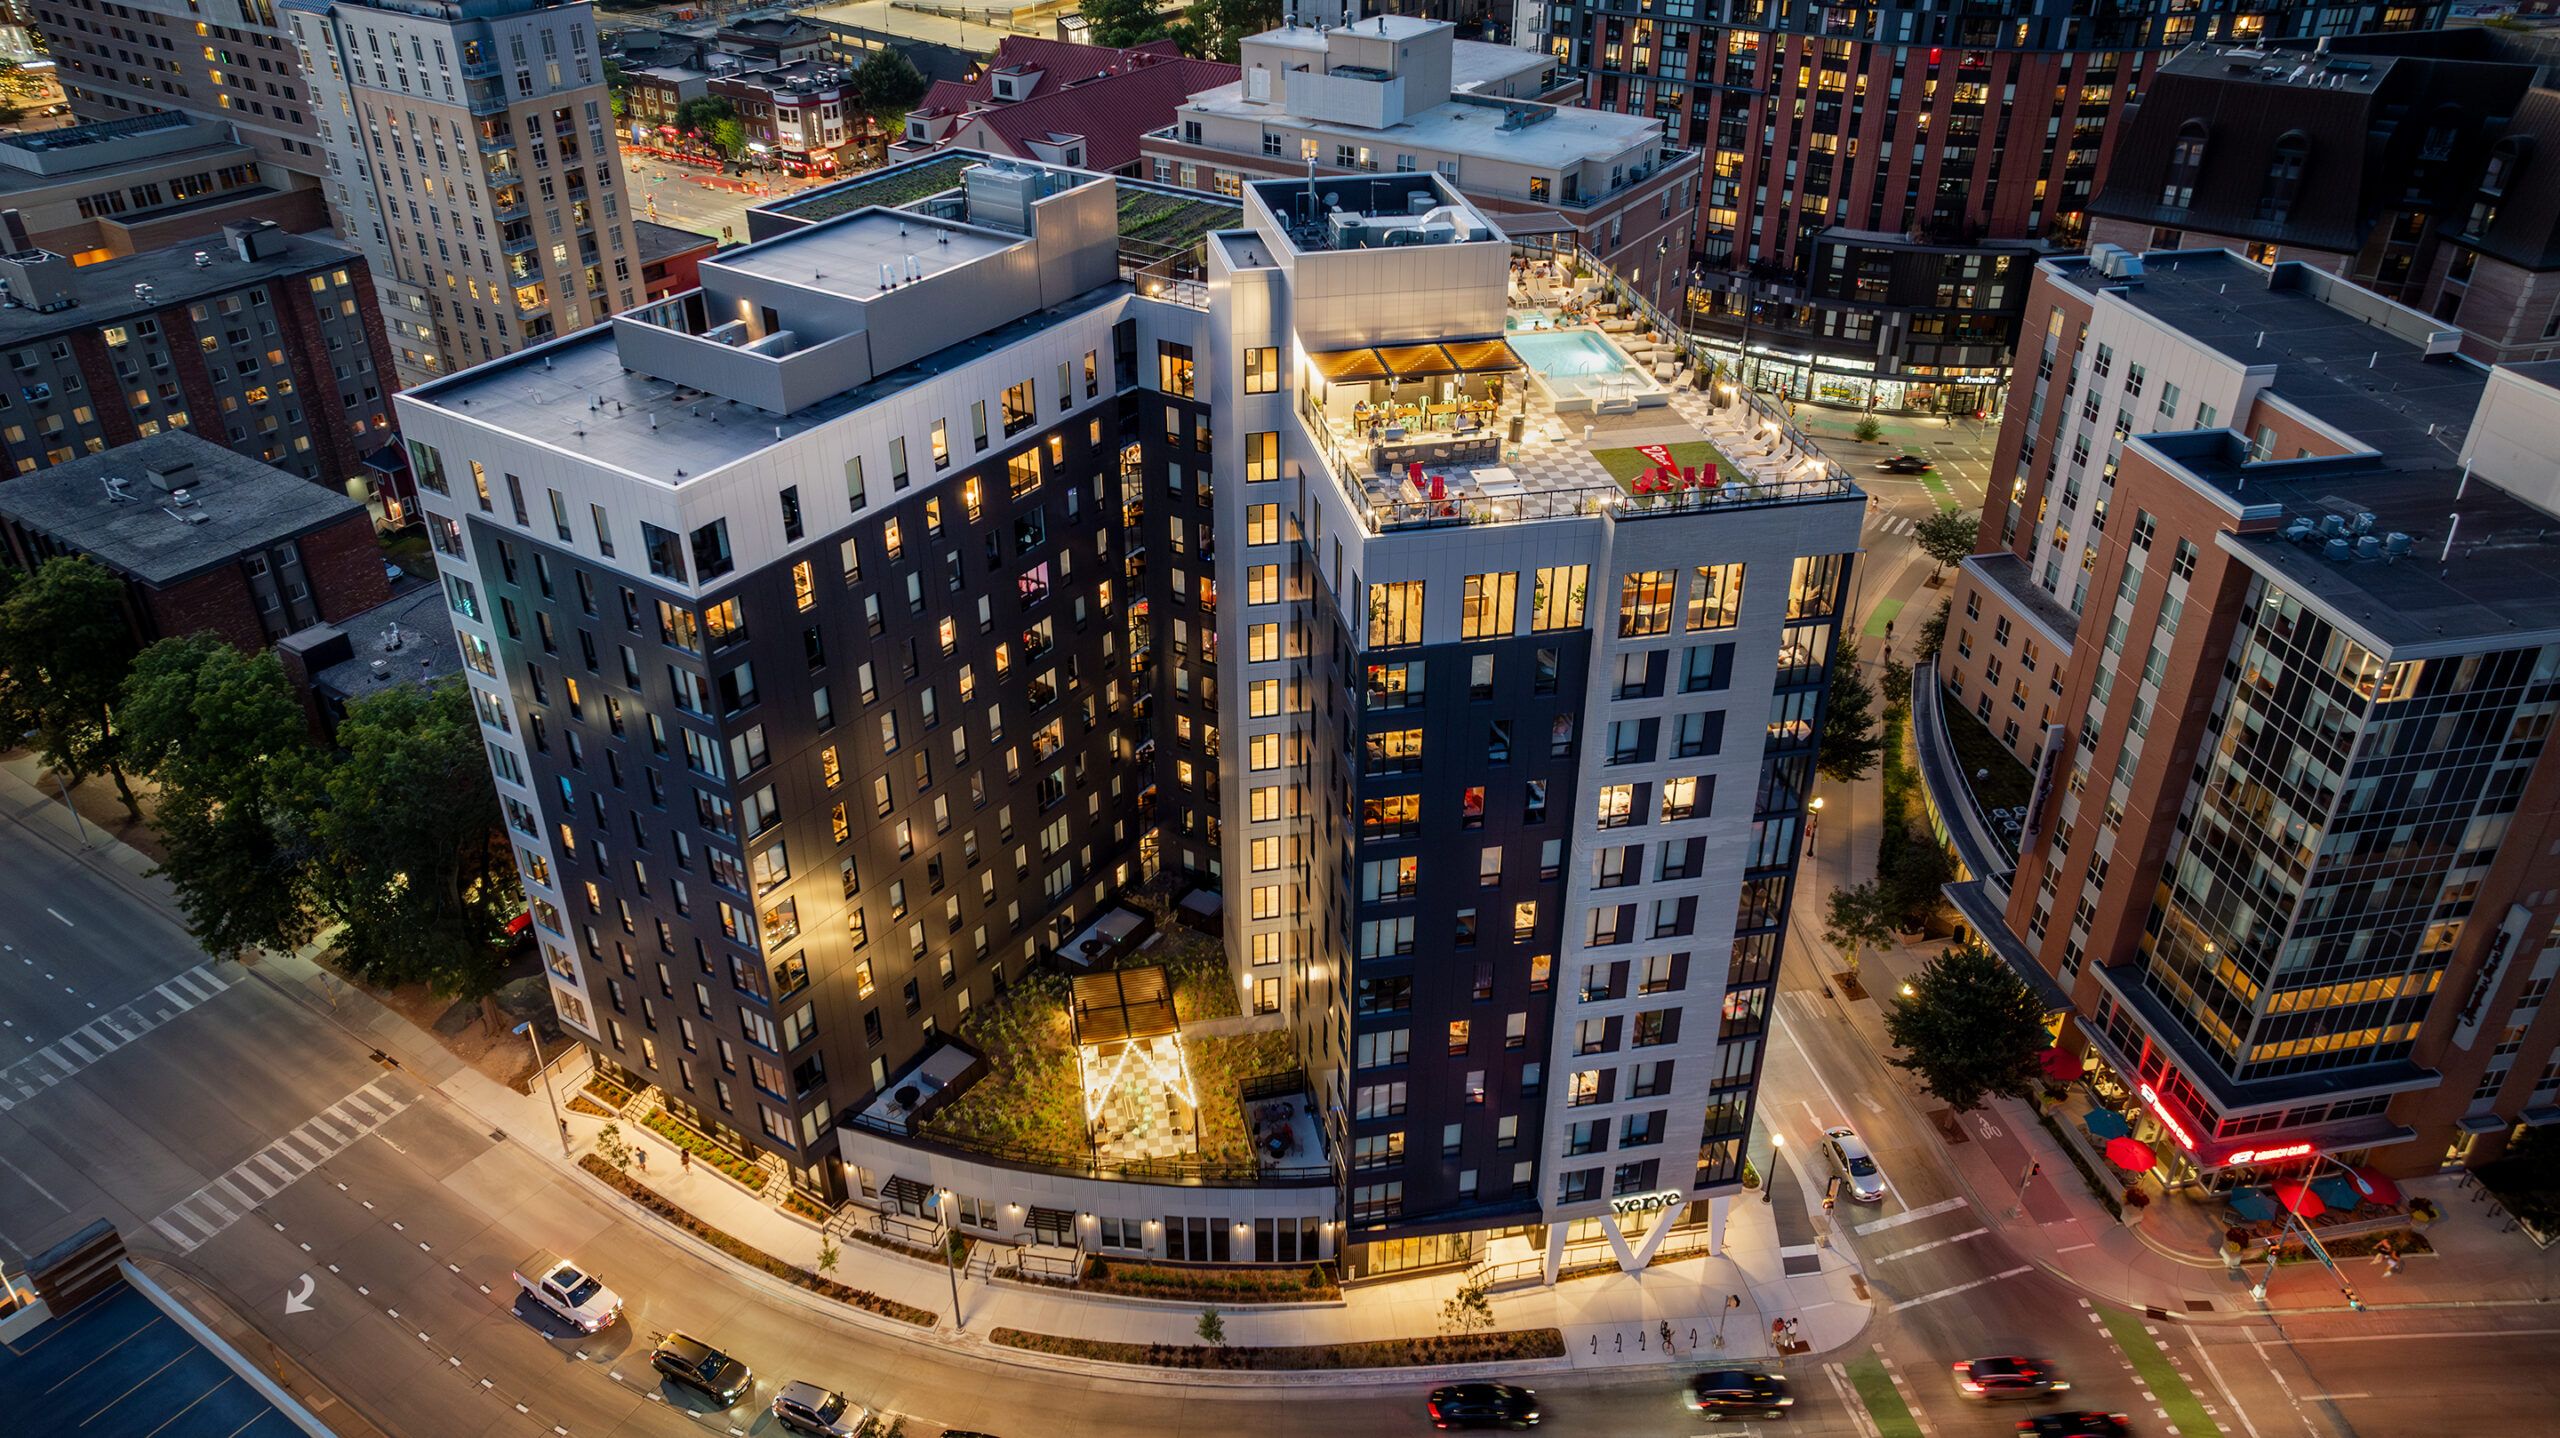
{"x":1182,"y":1173}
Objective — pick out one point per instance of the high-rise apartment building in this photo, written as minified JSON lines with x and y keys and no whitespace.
{"x":853,"y":634}
{"x":470,"y":149}
{"x":2270,"y":602}
{"x":1880,"y":182}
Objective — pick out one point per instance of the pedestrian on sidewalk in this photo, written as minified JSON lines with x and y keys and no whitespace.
{"x":1666,"y":1339}
{"x":640,"y":1156}
{"x":684,"y":1159}
{"x":2388,"y":1258}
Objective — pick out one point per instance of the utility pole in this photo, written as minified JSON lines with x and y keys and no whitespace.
{"x":544,"y":1071}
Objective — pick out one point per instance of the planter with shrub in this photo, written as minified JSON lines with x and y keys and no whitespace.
{"x":722,"y":1161}
{"x":1311,"y":1284}
{"x":650,"y":1199}
{"x":1513,"y":1346}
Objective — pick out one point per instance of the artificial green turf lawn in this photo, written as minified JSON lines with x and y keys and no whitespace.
{"x":1625,"y":464}
{"x":2185,"y":1410}
{"x":1883,"y":1400}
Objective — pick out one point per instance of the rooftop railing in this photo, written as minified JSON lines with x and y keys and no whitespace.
{"x":1182,"y":1173}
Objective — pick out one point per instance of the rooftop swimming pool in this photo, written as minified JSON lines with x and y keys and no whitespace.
{"x":1580,"y":369}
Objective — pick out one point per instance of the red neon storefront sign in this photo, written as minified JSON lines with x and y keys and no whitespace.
{"x":2169,"y":1121}
{"x":2272,"y":1155}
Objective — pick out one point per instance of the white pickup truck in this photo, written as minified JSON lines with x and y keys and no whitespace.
{"x":579,"y":1297}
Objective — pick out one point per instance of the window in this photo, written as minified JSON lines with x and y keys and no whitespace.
{"x":1486,"y":612}
{"x":1173,"y":368}
{"x":2186,"y":162}
{"x":1556,"y":599}
{"x":1021,"y":410}
{"x":1395,"y":613}
{"x":1715,"y":596}
{"x":1261,"y":371}
{"x":2284,"y":179}
{"x":1644,"y":604}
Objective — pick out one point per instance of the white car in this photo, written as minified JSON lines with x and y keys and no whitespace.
{"x":1856,"y":1167}
{"x":577,"y":1297}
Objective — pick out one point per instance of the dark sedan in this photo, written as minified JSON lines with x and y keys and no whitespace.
{"x":1739,"y":1393}
{"x":2008,"y":1376}
{"x":1483,"y":1405}
{"x":1907,"y":464}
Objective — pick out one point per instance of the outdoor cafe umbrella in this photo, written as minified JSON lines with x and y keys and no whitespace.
{"x":2131,"y":1154}
{"x":2298,"y":1197}
{"x":2376,"y":1187}
{"x":2059,"y":1065}
{"x":2105,"y":1123}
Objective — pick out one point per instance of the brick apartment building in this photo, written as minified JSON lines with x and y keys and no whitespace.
{"x":2269,"y":608}
{"x":204,"y":539}
{"x":261,"y":341}
{"x":1880,"y":181}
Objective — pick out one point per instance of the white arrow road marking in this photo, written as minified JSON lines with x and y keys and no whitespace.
{"x":298,"y":1298}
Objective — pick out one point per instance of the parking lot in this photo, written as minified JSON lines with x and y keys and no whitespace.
{"x":117,"y":1367}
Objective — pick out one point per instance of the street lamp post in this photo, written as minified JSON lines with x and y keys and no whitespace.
{"x":1812,"y":822}
{"x":1769,"y":1184}
{"x":950,"y":1242}
{"x":526,"y":1028}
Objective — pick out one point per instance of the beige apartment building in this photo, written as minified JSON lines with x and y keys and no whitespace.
{"x":471,"y":153}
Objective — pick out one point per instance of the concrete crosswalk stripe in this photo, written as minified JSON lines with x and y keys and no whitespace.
{"x":105,"y":1043}
{"x":295,"y":1164}
{"x":72,"y":1043}
{"x":205,"y":1197}
{"x":64,"y":1064}
{"x":1913,"y":1215}
{"x":232,"y":1191}
{"x":283,"y":1174}
{"x":330,"y":1131}
{"x":379,"y":1100}
{"x":128,"y":1036}
{"x":250,"y":1177}
{"x":199,"y":983}
{"x":353,"y":1105}
{"x":180,"y":997}
{"x":174,"y":1234}
{"x":320,"y":1152}
{"x":189,"y":1215}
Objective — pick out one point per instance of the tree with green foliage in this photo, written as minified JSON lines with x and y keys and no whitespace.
{"x":65,"y":645}
{"x":729,"y":138}
{"x":221,"y":732}
{"x":407,"y":850}
{"x":1970,"y":1028}
{"x":1947,"y":537}
{"x":1916,"y":884}
{"x":1212,"y":1327}
{"x":1897,"y":684}
{"x":1850,"y":743}
{"x":699,"y":114}
{"x":888,"y":80}
{"x":1122,"y":23}
{"x":1216,"y":29}
{"x":1855,"y":917}
{"x":1933,"y":631}
{"x":1869,"y":429}
{"x":1469,"y":1310}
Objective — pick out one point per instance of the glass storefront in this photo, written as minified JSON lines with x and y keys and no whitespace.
{"x":1409,"y":1255}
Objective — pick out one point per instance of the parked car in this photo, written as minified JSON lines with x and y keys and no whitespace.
{"x":1907,"y":464}
{"x":699,"y":1366}
{"x":2008,"y":1376}
{"x":1850,"y":1159}
{"x":1483,"y":1405}
{"x":577,"y":1297}
{"x":1739,"y":1393}
{"x":818,"y":1412}
{"x":2077,"y":1425}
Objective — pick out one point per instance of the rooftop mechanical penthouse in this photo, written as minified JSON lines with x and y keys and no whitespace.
{"x":1211,"y":761}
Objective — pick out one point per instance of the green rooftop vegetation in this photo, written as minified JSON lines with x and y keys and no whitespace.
{"x":888,"y":188}
{"x":1164,"y":223}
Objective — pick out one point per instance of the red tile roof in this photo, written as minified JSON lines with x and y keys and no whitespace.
{"x":1111,"y":97}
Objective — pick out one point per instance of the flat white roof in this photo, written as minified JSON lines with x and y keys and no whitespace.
{"x":1475,"y":62}
{"x":843,"y":257}
{"x":1569,"y":136}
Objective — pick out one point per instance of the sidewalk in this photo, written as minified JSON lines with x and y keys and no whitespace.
{"x":1608,"y":1322}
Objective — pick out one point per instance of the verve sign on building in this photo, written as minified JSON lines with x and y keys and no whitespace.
{"x":1648,"y":1202}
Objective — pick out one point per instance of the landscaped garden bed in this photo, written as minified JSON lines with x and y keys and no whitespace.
{"x":1031,"y":1100}
{"x":1311,"y":1284}
{"x":580,"y":1103}
{"x":2404,"y":1241}
{"x":1507,"y":1347}
{"x":729,"y":1165}
{"x":1170,"y":221}
{"x":605,"y":1091}
{"x":1625,"y":464}
{"x":802,"y":1205}
{"x":649,"y":1198}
